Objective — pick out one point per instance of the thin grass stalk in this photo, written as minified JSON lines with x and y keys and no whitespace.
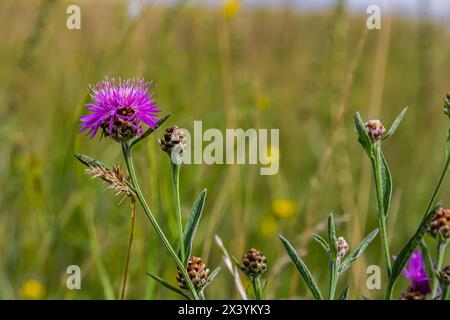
{"x":130,"y":243}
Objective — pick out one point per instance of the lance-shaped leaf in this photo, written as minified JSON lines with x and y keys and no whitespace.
{"x":357,"y":252}
{"x":395,"y":125}
{"x":386,"y":183}
{"x":169,"y":286}
{"x":302,"y":269}
{"x":332,"y":237}
{"x":265,"y":289}
{"x":149,"y":131}
{"x":409,"y":247}
{"x":192,"y":223}
{"x":428,"y":261}
{"x":322,"y":242}
{"x":363,"y":137}
{"x":345,"y":292}
{"x":88,"y":161}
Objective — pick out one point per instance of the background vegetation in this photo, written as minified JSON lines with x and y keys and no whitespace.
{"x":305,"y":73}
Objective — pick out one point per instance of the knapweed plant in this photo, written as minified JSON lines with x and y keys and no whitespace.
{"x":126,"y":113}
{"x":120,"y":110}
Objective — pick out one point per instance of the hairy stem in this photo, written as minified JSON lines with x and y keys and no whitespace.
{"x":176,"y":191}
{"x":130,"y":242}
{"x":131,"y":171}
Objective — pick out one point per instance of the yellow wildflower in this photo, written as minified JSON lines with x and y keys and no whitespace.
{"x":231,"y":8}
{"x":284,"y":208}
{"x":32,"y":290}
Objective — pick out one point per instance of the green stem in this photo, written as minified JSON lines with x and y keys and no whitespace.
{"x":333,"y":279}
{"x":376,"y":166}
{"x":131,"y":171}
{"x":256,"y":288}
{"x":440,"y":259}
{"x":176,"y":191}
{"x":445,"y":293}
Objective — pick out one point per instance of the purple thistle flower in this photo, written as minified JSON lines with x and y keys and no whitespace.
{"x":417,"y":273}
{"x":119,"y":107}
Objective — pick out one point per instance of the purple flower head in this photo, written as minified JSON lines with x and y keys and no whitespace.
{"x":417,"y":273}
{"x":119,"y":108}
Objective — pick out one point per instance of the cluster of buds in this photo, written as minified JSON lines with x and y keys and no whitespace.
{"x":198,"y":273}
{"x":254,"y":263}
{"x":374,"y":129}
{"x":412,"y":294}
{"x":122,"y":129}
{"x":441,"y":223}
{"x":174,"y":143}
{"x":342,"y":248}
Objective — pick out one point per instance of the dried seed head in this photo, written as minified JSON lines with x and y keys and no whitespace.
{"x":114,"y":177}
{"x":445,"y":275}
{"x":374,"y":129}
{"x":412,"y":294}
{"x":254,"y":263}
{"x":173,"y":142}
{"x":441,"y":223}
{"x":342,"y":247}
{"x":198,"y":273}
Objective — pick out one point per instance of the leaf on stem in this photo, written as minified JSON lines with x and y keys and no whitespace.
{"x":322,"y":242}
{"x":302,"y":269}
{"x":169,"y":286}
{"x":427,"y":259}
{"x":149,"y":131}
{"x":265,"y":289}
{"x":386,"y":183}
{"x":88,"y":161}
{"x":409,"y":247}
{"x":395,"y":125}
{"x":357,"y":252}
{"x":332,"y":237}
{"x":345,"y":292}
{"x":192,"y":223}
{"x":212,"y":276}
{"x":363,"y":137}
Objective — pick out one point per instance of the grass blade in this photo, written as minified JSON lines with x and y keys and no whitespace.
{"x":357,"y":252}
{"x":363,"y":137}
{"x":302,"y":269}
{"x":332,"y":237}
{"x":322,"y":242}
{"x":345,"y":292}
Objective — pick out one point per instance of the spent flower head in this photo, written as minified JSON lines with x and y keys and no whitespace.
{"x":440,"y":226}
{"x":198,"y":273}
{"x":119,"y":108}
{"x":254,"y":263}
{"x":374,"y":129}
{"x":174,"y":143}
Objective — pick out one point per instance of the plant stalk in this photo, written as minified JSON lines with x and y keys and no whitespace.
{"x":131,"y":171}
{"x":440,"y":259}
{"x":176,"y":191}
{"x":333,"y":279}
{"x":130,"y":242}
{"x":256,"y":288}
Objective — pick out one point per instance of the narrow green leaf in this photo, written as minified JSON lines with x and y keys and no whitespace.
{"x":395,"y":125}
{"x":192,"y":223}
{"x":149,"y":131}
{"x":88,"y":161}
{"x":169,"y":286}
{"x":427,"y":258}
{"x":345,"y":292}
{"x":332,"y":237}
{"x":357,"y":252}
{"x":386,"y":183}
{"x":322,"y":242}
{"x":302,"y":269}
{"x":265,"y":290}
{"x":409,"y":247}
{"x":447,"y":145}
{"x":212,"y":276}
{"x":363,"y":137}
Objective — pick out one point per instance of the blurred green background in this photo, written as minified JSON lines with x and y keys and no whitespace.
{"x":231,"y":66}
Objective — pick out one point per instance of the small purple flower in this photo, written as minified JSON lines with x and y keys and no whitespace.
{"x":119,"y":107}
{"x":417,"y":273}
{"x":374,"y":129}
